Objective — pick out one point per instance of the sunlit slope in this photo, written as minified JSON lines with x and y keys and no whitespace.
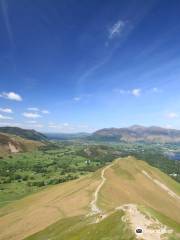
{"x":81,"y":228}
{"x":14,"y":144}
{"x":113,"y":226}
{"x":40,"y":210}
{"x":127,"y":183}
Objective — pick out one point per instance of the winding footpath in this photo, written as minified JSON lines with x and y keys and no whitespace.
{"x":94,"y":208}
{"x":151,"y":228}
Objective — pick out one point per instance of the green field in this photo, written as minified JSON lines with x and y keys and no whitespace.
{"x":24,"y":173}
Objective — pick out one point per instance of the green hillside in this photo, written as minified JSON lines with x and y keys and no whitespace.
{"x":76,"y":228}
{"x":24,"y":133}
{"x":10,"y":144}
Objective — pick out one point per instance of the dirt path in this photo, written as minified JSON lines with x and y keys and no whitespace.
{"x":94,"y":208}
{"x":161,"y":185}
{"x":151,"y":229}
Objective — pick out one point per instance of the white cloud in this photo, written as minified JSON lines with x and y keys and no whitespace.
{"x":2,"y":117}
{"x":38,"y":126}
{"x":53,"y":126}
{"x":45,"y":111}
{"x":172,"y":115}
{"x":116,"y":29}
{"x":76,"y":99}
{"x":31,"y":115}
{"x":6,"y":110}
{"x":34,"y":109}
{"x":66,"y":124}
{"x":169,"y":126}
{"x":136,"y":92}
{"x":156,"y":90}
{"x":69,"y":128}
{"x":11,"y":96}
{"x":14,"y":124}
{"x":31,"y":122}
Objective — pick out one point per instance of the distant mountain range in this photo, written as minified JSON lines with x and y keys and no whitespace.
{"x":137,"y":133}
{"x":132,"y":134}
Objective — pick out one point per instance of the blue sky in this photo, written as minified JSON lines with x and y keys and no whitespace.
{"x":73,"y":66}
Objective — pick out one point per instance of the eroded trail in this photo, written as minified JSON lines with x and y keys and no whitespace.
{"x":94,"y":208}
{"x":151,"y":228}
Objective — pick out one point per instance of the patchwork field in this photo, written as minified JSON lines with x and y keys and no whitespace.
{"x":64,"y":211}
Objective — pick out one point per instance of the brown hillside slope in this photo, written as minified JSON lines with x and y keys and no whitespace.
{"x":125,"y":183}
{"x":14,"y":144}
{"x":40,"y":210}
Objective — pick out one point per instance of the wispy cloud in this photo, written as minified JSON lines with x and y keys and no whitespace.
{"x":38,"y":126}
{"x":135,"y":92}
{"x":69,"y":128}
{"x":172,"y":115}
{"x":5,"y":15}
{"x":6,"y":110}
{"x":11,"y":96}
{"x":45,"y":111}
{"x":31,"y":122}
{"x":156,"y":90}
{"x":77,"y":99}
{"x":116,"y":29}
{"x":169,"y":126}
{"x":2,"y":117}
{"x":31,"y":115}
{"x":14,"y":124}
{"x":35,"y":109}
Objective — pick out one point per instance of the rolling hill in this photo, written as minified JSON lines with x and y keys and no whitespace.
{"x":137,"y":134}
{"x":14,"y":144}
{"x":24,"y":133}
{"x":14,"y":140}
{"x":108,"y":204}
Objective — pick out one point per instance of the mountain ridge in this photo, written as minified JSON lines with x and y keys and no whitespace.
{"x":137,"y":133}
{"x":29,"y":134}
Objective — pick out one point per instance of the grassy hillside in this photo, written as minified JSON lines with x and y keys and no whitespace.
{"x":126,"y":183}
{"x":76,"y":228}
{"x":14,"y":144}
{"x":27,"y":172}
{"x":24,"y":133}
{"x":22,"y":218}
